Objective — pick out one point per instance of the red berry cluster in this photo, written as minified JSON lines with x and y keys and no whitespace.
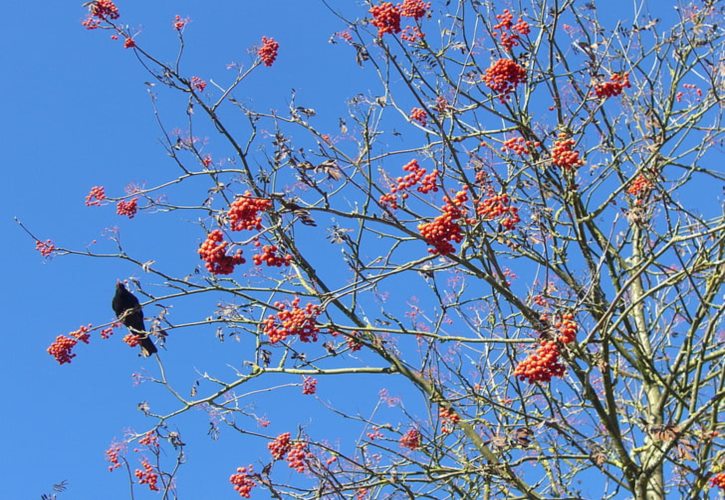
{"x":207,"y":161}
{"x":446,"y":227}
{"x":82,"y":334}
{"x":180,"y":22}
{"x":269,"y":256}
{"x":386,"y":18}
{"x":718,"y":480}
{"x":297,"y":456}
{"x":280,"y":446}
{"x":243,"y":484}
{"x":147,"y":475}
{"x":214,"y":253}
{"x":198,"y":84}
{"x":244,"y":212}
{"x":509,"y":32}
{"x":268,"y":51}
{"x":614,"y":87}
{"x":129,"y":43}
{"x":294,"y":321}
{"x":503,"y":76}
{"x":449,"y":418}
{"x":640,"y":187}
{"x":353,"y":343}
{"x":309,"y":386}
{"x":519,"y":145}
{"x":150,"y":439}
{"x":689,"y":87}
{"x":107,"y":332}
{"x":131,"y":340}
{"x":95,"y":196}
{"x":429,"y":183}
{"x":562,"y":154}
{"x":542,"y":364}
{"x":414,"y":8}
{"x":46,"y":248}
{"x":499,"y":206}
{"x":412,"y":34}
{"x":441,"y":104}
{"x":127,"y":208}
{"x":411,"y":439}
{"x":62,"y":349}
{"x":419,"y":115}
{"x":416,"y":174}
{"x":104,"y":9}
{"x":112,"y":454}
{"x":567,"y":328}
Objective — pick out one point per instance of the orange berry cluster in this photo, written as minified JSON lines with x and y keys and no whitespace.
{"x":61,"y":349}
{"x":446,"y":227}
{"x":640,"y":187}
{"x":509,"y":32}
{"x":127,"y":208}
{"x":150,"y":439}
{"x":614,"y":87}
{"x":297,"y":456}
{"x":562,"y":154}
{"x":449,"y":417}
{"x":82,"y":334}
{"x":414,"y":8}
{"x":294,"y":321}
{"x":411,"y":439}
{"x":214,"y":254}
{"x":309,"y":386}
{"x":718,"y":480}
{"x":386,"y":18}
{"x":567,"y":328}
{"x":95,"y":196}
{"x":131,"y":340}
{"x":112,"y":456}
{"x":46,"y":248}
{"x":502,"y":76}
{"x":542,"y":364}
{"x":268,"y":51}
{"x":244,"y":212}
{"x":519,"y":145}
{"x":104,"y":9}
{"x":269,"y":256}
{"x":419,"y":115}
{"x":499,"y":205}
{"x":416,"y":175}
{"x":412,"y":34}
{"x":147,"y":475}
{"x":243,"y":484}
{"x":280,"y":445}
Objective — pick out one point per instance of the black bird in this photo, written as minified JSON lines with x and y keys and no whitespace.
{"x":128,"y":310}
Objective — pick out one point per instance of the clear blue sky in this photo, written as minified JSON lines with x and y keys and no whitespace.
{"x":76,"y":114}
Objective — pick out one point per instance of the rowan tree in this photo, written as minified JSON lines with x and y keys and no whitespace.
{"x":515,"y":234}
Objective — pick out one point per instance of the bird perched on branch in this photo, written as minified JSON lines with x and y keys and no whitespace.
{"x":128,"y":310}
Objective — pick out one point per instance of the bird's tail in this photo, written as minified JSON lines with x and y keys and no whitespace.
{"x":147,"y":347}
